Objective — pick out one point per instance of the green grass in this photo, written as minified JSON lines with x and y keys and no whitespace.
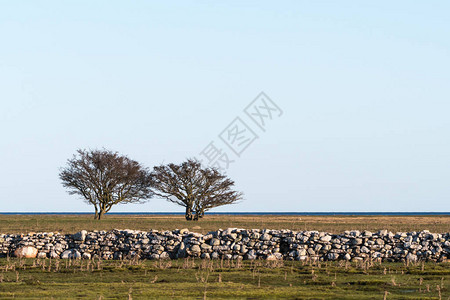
{"x":198,"y":279}
{"x":334,"y":224}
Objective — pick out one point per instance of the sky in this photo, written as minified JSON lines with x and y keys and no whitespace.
{"x":362,"y":90}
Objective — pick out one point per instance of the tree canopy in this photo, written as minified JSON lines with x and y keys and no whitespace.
{"x":104,"y":178}
{"x":194,"y":187}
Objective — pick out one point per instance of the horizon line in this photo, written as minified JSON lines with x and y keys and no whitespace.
{"x":243,"y":213}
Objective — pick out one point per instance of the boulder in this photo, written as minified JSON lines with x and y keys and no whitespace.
{"x":367,"y":233}
{"x":271,"y":257}
{"x":251,"y":255}
{"x":265,"y":237}
{"x":301,"y":252}
{"x":205,"y":247}
{"x":195,"y":249}
{"x":80,"y":236}
{"x":332,"y":256}
{"x":71,"y":254}
{"x":184,"y":231}
{"x":411,"y":257}
{"x":325,"y":238}
{"x":154,"y":256}
{"x":214,"y":242}
{"x":26,"y":252}
{"x":53,"y":255}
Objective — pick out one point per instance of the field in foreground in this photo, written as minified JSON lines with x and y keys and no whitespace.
{"x":221,"y":279}
{"x":188,"y":278}
{"x":332,"y":224}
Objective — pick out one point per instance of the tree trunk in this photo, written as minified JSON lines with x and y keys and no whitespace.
{"x":100,"y":214}
{"x":96,"y":213}
{"x":188,"y":213}
{"x":199,"y":214}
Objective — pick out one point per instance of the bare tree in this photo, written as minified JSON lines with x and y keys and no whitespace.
{"x":196,"y":188}
{"x":105,"y":178}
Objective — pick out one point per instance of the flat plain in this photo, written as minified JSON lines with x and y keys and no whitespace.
{"x":203,"y":279}
{"x":332,"y":224}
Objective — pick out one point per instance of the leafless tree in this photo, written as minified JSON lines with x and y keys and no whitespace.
{"x":196,"y":188}
{"x":105,"y":178}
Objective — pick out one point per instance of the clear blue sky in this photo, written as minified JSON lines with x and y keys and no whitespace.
{"x":364,"y":87}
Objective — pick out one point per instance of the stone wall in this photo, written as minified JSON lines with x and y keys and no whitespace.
{"x":231,"y":243}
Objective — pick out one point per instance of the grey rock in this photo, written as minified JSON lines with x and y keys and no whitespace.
{"x":195,"y":249}
{"x":235,"y":243}
{"x":325,"y":238}
{"x":301,"y":252}
{"x":214,"y":242}
{"x":184,"y":231}
{"x":154,"y":256}
{"x":205,"y":247}
{"x":332,"y":256}
{"x":367,"y":233}
{"x":311,"y":251}
{"x":411,"y":257}
{"x":364,"y":249}
{"x":86,"y":255}
{"x":251,"y":255}
{"x":71,"y":254}
{"x":80,"y":236}
{"x":266,"y":237}
{"x":275,"y":256}
{"x":53,"y":255}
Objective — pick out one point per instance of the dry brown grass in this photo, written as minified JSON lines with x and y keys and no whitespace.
{"x":334,"y":224}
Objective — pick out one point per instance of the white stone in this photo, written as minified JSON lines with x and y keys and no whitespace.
{"x":26,"y":252}
{"x":325,"y":238}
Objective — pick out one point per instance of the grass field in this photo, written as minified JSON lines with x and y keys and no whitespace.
{"x":202,"y":279}
{"x":221,"y":279}
{"x":333,"y":224}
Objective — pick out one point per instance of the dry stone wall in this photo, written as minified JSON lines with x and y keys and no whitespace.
{"x":231,"y":243}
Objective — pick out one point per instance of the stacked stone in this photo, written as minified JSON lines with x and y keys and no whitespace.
{"x":123,"y":244}
{"x":232,"y":243}
{"x":383,"y":245}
